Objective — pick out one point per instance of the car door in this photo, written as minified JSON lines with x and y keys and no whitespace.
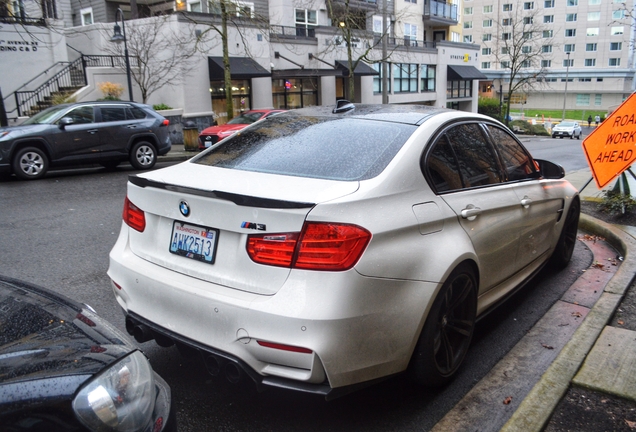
{"x":540,"y":205}
{"x":79,"y":140}
{"x":463,"y":168}
{"x":117,"y":125}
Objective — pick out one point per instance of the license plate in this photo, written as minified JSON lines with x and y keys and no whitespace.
{"x":195,"y":242}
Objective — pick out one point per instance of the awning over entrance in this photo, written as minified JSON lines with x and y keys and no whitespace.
{"x":305,"y":73}
{"x":360,"y":70}
{"x":456,"y":73}
{"x":240,"y":67}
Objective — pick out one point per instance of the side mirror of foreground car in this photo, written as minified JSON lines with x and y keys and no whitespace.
{"x":65,"y":121}
{"x":550,"y":170}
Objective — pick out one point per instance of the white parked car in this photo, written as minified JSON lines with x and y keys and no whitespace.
{"x":567,"y":129}
{"x":325,"y":248}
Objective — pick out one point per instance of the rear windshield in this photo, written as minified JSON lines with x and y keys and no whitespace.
{"x":316,"y":147}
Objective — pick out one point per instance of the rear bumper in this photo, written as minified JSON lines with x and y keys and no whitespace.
{"x":357,"y":329}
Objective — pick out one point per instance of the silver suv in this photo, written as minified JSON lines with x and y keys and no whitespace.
{"x":105,"y":133}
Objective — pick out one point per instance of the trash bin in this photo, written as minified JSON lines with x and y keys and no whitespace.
{"x":190,"y":136}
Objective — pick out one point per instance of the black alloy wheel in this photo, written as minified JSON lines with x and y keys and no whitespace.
{"x":567,"y":240}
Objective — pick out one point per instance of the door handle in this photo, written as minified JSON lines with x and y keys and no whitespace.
{"x":92,"y":131}
{"x":526,"y":202}
{"x":131,"y":126}
{"x":470,"y":213}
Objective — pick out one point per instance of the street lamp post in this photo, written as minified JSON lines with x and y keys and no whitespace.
{"x":565,"y":94}
{"x":119,"y":35}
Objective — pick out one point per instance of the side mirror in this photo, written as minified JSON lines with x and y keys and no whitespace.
{"x":65,"y":121}
{"x":550,"y":170}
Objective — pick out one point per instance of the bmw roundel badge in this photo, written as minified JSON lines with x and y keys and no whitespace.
{"x":184,"y":208}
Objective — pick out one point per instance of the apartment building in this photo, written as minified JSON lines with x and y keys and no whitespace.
{"x":586,"y":50}
{"x":284,"y":54}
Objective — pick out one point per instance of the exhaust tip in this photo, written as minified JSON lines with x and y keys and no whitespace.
{"x":142,"y":333}
{"x":233,"y":373}
{"x":213,"y":364}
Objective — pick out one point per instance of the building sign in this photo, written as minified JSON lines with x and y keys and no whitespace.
{"x":611,"y":148}
{"x":18,"y":46}
{"x":464,"y":57}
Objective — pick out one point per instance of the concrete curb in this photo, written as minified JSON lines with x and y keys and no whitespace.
{"x":535,"y":410}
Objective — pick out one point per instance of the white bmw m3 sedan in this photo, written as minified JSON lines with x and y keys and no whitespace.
{"x":326,"y":248}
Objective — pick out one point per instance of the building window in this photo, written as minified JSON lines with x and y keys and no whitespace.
{"x":468,"y":11}
{"x":616,"y":31}
{"x":485,"y":51}
{"x":87,"y":16}
{"x":485,"y":65}
{"x":548,"y":19}
{"x":505,"y":64}
{"x":585,"y":79}
{"x":410,"y":34}
{"x":570,"y":17}
{"x":570,"y":32}
{"x":568,"y":63}
{"x":526,"y":63}
{"x":548,"y":33}
{"x":616,"y":46}
{"x":468,"y":24}
{"x":507,"y":7}
{"x":486,"y":37}
{"x":618,"y":14}
{"x":527,"y":35}
{"x":307,"y":20}
{"x":526,"y":49}
{"x":615,"y":62}
{"x":427,"y":78}
{"x":487,"y":23}
{"x":459,"y":89}
{"x":590,"y":47}
{"x":546,"y":63}
{"x":569,"y":48}
{"x":194,"y":6}
{"x":598,"y":99}
{"x":506,"y":36}
{"x":593,"y":16}
{"x":590,"y":62}
{"x":546,"y":49}
{"x":527,"y":20}
{"x":593,"y":31}
{"x":377,"y":79}
{"x":582,"y":99}
{"x":405,"y":77}
{"x":572,"y":2}
{"x":488,"y":9}
{"x":594,"y":2}
{"x":506,"y":22}
{"x":455,"y":37}
{"x":599,"y":79}
{"x":468,"y":38}
{"x":291,"y":93}
{"x":528,"y":5}
{"x":505,"y":50}
{"x":240,"y":97}
{"x":548,"y":4}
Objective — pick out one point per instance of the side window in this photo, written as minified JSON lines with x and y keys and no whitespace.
{"x":111,"y":114}
{"x":441,"y":166}
{"x":478,"y":165}
{"x":134,"y":113}
{"x":516,"y":161}
{"x":83,"y":114}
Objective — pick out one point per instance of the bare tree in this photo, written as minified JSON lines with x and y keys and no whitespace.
{"x":164,"y":57}
{"x":522,"y":44}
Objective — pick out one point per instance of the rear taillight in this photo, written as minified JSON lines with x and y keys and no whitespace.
{"x":283,"y":347}
{"x":165,"y":122}
{"x":319,"y":246}
{"x":133,"y":216}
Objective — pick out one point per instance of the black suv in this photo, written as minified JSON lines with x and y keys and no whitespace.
{"x":105,"y":133}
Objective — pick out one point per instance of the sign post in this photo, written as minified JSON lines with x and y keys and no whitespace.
{"x":611,"y":148}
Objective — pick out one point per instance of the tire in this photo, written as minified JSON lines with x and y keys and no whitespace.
{"x":553,"y":136}
{"x":571,"y":136}
{"x":567,"y":240}
{"x":448,"y":330}
{"x":143,"y":155}
{"x":30,"y":163}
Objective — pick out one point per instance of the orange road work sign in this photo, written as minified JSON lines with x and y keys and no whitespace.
{"x":611,"y":148}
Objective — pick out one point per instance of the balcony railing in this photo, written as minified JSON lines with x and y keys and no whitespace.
{"x":293,"y":32}
{"x":10,"y":19}
{"x":406,"y":42}
{"x":440,"y":10}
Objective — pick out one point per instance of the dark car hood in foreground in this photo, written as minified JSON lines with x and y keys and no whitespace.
{"x":30,"y":129}
{"x":43,"y":335}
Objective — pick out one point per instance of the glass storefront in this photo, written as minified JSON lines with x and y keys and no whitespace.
{"x":291,"y":93}
{"x":240,"y":96}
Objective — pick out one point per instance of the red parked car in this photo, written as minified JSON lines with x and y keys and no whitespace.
{"x":214,"y":134}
